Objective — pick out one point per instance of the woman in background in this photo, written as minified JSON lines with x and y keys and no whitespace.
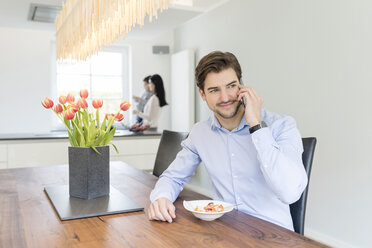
{"x":141,"y":101}
{"x":151,"y":112}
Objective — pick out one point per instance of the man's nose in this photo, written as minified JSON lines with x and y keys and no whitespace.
{"x":224,"y":96}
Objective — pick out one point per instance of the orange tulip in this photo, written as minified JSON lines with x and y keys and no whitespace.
{"x":125,"y":105}
{"x":97,"y":104}
{"x":109,"y":115}
{"x":82,"y":103}
{"x":119,"y":117}
{"x":62,"y":99}
{"x":58,"y":108}
{"x":73,"y":106}
{"x":47,"y":103}
{"x":84,"y":93}
{"x":69,"y":114}
{"x":70,"y":97}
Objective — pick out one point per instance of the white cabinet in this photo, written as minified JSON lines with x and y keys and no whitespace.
{"x":3,"y":156}
{"x":3,"y":153}
{"x":142,"y":162}
{"x":30,"y":153}
{"x":138,"y":151}
{"x":3,"y":165}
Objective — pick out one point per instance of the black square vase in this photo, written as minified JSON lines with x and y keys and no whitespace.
{"x":89,"y":172}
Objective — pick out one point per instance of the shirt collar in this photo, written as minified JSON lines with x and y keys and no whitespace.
{"x":215,"y":124}
{"x":242,"y":124}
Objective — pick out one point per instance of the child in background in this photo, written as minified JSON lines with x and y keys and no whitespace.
{"x":141,"y":101}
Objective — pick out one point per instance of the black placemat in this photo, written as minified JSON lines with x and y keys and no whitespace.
{"x":69,"y":208}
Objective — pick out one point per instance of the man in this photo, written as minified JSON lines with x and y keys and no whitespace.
{"x":259,"y":168}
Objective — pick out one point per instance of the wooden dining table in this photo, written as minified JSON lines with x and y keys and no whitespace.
{"x":28,"y":219}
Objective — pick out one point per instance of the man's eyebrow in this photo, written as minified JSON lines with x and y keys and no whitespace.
{"x":233,"y":82}
{"x":212,"y":88}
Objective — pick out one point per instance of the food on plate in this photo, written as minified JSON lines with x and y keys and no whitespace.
{"x":210,"y":208}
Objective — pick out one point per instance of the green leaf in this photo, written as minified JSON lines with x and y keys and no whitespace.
{"x":116,"y":149}
{"x":94,"y":148}
{"x":109,"y":136}
{"x":71,"y":137}
{"x":110,"y":122}
{"x":78,"y":134}
{"x":100,"y":137}
{"x":92,"y":133}
{"x":103,"y":124}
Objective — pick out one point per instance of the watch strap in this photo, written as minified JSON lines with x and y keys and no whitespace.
{"x":255,"y":128}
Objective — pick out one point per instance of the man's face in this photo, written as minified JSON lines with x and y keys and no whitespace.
{"x":221,"y":93}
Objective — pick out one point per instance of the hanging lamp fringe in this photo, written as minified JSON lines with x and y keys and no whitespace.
{"x":84,"y":27}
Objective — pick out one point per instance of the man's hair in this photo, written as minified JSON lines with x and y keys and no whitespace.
{"x":216,"y":62}
{"x":146,"y":79}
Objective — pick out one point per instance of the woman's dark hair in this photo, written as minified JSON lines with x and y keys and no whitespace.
{"x":159,"y":88}
{"x":146,"y":79}
{"x":215,"y":62}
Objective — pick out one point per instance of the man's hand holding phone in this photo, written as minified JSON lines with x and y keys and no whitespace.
{"x":253,"y":104}
{"x":162,"y":209}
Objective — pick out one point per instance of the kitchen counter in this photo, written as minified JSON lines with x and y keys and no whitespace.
{"x":43,"y":149}
{"x":64,"y":135}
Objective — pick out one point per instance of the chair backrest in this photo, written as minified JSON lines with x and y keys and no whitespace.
{"x":170,"y":145}
{"x":298,"y":208}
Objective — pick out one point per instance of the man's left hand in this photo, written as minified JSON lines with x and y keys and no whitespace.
{"x":253,"y":104}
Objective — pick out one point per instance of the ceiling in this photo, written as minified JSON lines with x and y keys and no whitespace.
{"x":14,"y":13}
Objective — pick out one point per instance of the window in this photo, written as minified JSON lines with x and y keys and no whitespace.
{"x":105,"y":75}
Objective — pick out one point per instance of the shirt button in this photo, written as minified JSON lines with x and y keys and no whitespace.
{"x":230,"y":134}
{"x":232,"y":154}
{"x":265,"y":165}
{"x":235,"y":176}
{"x":239,"y":198}
{"x":255,"y":141}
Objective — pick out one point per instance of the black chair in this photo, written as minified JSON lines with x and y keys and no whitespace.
{"x":170,"y":145}
{"x":298,"y":208}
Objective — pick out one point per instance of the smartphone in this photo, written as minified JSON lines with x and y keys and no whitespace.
{"x":243,"y":99}
{"x":243,"y":102}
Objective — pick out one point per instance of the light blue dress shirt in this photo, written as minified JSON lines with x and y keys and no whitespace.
{"x":262,"y":171}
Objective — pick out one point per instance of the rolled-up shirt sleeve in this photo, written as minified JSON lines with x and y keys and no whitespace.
{"x":279,"y":149}
{"x":171,"y":182}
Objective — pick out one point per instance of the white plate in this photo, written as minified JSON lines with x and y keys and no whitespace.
{"x":191,"y":205}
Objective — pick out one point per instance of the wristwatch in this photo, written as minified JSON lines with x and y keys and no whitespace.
{"x":255,"y":128}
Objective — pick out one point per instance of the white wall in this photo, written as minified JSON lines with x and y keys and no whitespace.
{"x":24,"y":80}
{"x":25,"y":76}
{"x":311,"y":60}
{"x":145,"y":63}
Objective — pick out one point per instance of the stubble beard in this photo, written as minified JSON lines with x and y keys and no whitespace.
{"x":229,"y":116}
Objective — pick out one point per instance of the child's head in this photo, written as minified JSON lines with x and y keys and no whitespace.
{"x":146,"y":83}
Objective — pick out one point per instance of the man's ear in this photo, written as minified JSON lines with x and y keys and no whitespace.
{"x":202,"y":94}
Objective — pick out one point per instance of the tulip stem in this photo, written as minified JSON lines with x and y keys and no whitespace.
{"x":97,"y":117}
{"x":68,"y":128}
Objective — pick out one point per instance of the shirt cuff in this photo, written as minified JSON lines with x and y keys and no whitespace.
{"x":156,"y":195}
{"x":263,"y":139}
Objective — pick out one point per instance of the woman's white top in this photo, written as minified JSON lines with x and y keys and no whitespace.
{"x":151,"y":112}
